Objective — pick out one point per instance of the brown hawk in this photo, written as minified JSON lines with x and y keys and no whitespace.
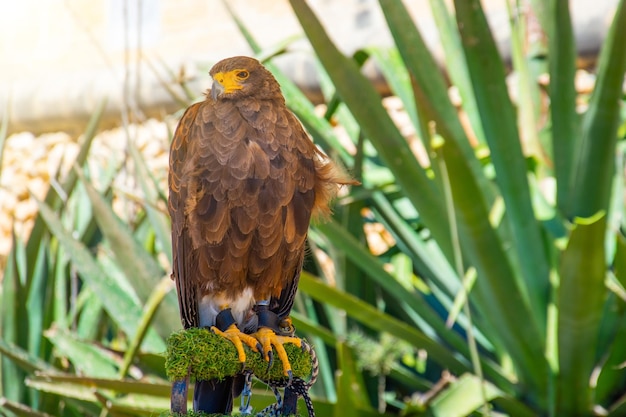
{"x":244,"y":182}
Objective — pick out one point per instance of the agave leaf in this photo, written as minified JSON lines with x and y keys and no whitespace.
{"x":498,"y":299}
{"x":411,"y":301}
{"x":595,"y":166}
{"x":87,"y":358}
{"x":529,"y":107}
{"x":397,"y":76}
{"x":141,"y":269}
{"x":4,"y":128}
{"x":52,"y":198}
{"x":307,"y":326}
{"x":565,"y":128}
{"x":373,"y":318}
{"x":499,"y":123}
{"x":431,"y":92}
{"x":37,"y":303}
{"x":455,"y":64}
{"x":65,"y":390}
{"x":374,"y":271}
{"x":612,"y":378}
{"x":619,"y":263}
{"x":350,"y":385}
{"x":149,"y":185}
{"x":90,"y":308}
{"x":60,"y":280}
{"x":121,"y":307}
{"x":154,"y":387}
{"x":364,"y":103}
{"x":429,"y":260}
{"x":140,"y":398}
{"x":19,"y":409}
{"x":463,"y":397}
{"x":618,"y":408}
{"x":23,"y":359}
{"x":12,"y":307}
{"x":581,"y":297}
{"x":164,"y":287}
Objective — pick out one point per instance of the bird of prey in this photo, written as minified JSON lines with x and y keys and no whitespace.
{"x":244,"y":182}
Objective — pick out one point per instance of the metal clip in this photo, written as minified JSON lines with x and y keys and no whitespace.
{"x":246,"y":395}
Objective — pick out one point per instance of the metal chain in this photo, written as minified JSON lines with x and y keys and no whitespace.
{"x":299,"y":386}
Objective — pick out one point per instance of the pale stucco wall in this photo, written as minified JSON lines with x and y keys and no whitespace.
{"x":58,"y":58}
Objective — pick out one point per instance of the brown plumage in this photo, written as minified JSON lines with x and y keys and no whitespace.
{"x":245,"y":181}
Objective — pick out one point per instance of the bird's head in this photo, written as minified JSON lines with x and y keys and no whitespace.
{"x":242,"y":76}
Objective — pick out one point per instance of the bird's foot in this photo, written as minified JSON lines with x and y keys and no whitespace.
{"x":238,"y":338}
{"x":268,"y":339}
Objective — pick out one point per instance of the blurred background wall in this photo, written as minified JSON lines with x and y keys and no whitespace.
{"x":59,"y":58}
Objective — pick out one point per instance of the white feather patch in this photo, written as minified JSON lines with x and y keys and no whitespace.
{"x":210,"y":305}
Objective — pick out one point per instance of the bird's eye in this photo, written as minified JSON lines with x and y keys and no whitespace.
{"x":243,"y":74}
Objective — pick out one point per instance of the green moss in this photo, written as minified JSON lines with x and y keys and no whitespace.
{"x":200,"y":414}
{"x":209,"y":356}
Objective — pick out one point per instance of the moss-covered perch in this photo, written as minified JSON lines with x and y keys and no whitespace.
{"x":201,"y":414}
{"x":206,"y":355}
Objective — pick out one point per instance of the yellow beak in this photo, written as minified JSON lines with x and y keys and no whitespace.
{"x":225,"y":83}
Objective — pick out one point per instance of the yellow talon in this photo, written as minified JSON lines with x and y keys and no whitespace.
{"x":267,"y":338}
{"x":237,"y":338}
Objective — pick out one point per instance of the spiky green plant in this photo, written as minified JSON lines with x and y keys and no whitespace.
{"x":546,"y":294}
{"x":86,"y":305}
